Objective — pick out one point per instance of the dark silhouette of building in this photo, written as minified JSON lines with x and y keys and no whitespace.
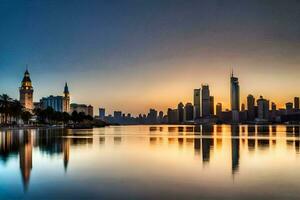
{"x":296,"y":103}
{"x":212,"y":105}
{"x":205,"y":101}
{"x":188,"y":112}
{"x":263,"y":109}
{"x":234,"y":98}
{"x":250,"y":108}
{"x":219,"y":110}
{"x":197,"y":103}
{"x":180,"y":109}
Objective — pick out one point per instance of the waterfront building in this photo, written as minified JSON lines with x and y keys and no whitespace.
{"x":79,"y":108}
{"x":289,"y":107}
{"x":90,"y":110}
{"x":160,"y":117}
{"x":101,"y":113}
{"x":296,"y":103}
{"x":219,"y":110}
{"x":234,"y":98}
{"x":205,"y":95}
{"x":212,"y":104}
{"x":250,"y":108}
{"x":54,"y":102}
{"x":66,"y":103}
{"x":180,"y":109}
{"x":197,"y":103}
{"x":188,"y":112}
{"x":26,"y":92}
{"x":172,"y":116}
{"x":152,"y":116}
{"x":263,"y":109}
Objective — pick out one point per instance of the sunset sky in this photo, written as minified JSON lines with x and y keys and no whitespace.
{"x":133,"y":55}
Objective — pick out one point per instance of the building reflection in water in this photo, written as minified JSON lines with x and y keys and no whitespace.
{"x":50,"y":141}
{"x":25,"y":157}
{"x":235,"y":148}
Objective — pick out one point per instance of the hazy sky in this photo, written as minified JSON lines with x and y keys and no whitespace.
{"x":132,"y":55}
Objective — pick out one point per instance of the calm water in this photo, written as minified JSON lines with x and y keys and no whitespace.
{"x":131,"y":162}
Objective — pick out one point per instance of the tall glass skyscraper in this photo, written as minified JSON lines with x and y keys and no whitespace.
{"x":234,"y":98}
{"x":205,"y":101}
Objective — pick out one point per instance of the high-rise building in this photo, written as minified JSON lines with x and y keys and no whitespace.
{"x":296,"y":103}
{"x":180,"y":110}
{"x":197,"y":103}
{"x":289,"y":107}
{"x":205,"y":101}
{"x":54,"y":102}
{"x":235,"y":98}
{"x":101,"y":113}
{"x":212,"y":104}
{"x":160,"y":117}
{"x":188,"y":112}
{"x":172,"y":116}
{"x":152,"y":116}
{"x":58,"y":103}
{"x":250,"y":107}
{"x":26,"y":92}
{"x":66,"y":107}
{"x":263,"y":108}
{"x":219,"y":110}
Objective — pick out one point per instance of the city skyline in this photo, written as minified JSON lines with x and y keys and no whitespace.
{"x":138,"y":57}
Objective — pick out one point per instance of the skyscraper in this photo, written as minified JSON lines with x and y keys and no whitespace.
{"x":66,"y":107}
{"x":219,"y":110}
{"x":180,"y":110}
{"x":235,"y":98}
{"x":212,"y":104}
{"x":250,"y":107}
{"x":197,"y":104}
{"x":188,"y":112}
{"x":26,"y":92}
{"x":101,"y":113}
{"x":205,"y":101}
{"x":296,"y":103}
{"x":263,"y":108}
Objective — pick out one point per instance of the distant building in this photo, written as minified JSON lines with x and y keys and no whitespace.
{"x":152,"y":116}
{"x":296,"y":103}
{"x":102,"y":113}
{"x":180,"y":109}
{"x":263,"y":109}
{"x":219,"y":110}
{"x":117,"y":114}
{"x":172,"y":116}
{"x":235,"y":98}
{"x":160,"y":117}
{"x":188,"y":112}
{"x":90,"y":110}
{"x":250,"y":108}
{"x":197,"y":103}
{"x":79,"y":108}
{"x":212,"y":104}
{"x":58,"y":103}
{"x":289,"y":107}
{"x":26,"y":92}
{"x":54,"y":102}
{"x":205,"y":101}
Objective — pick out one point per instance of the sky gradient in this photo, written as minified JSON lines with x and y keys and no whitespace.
{"x":133,"y":55}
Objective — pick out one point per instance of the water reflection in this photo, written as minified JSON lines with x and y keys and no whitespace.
{"x":209,"y":145}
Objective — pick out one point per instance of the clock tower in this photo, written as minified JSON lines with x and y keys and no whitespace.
{"x":26,"y":92}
